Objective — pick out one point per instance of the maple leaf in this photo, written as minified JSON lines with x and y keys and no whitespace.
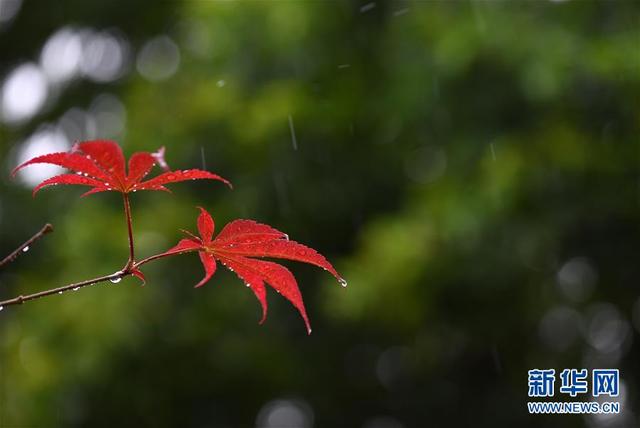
{"x":237,"y":246}
{"x":100,"y":165}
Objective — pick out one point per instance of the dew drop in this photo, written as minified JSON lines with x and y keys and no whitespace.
{"x":76,"y":288}
{"x":1,"y":308}
{"x":25,"y":249}
{"x":59,"y":292}
{"x":342,"y":282}
{"x":116,"y":280}
{"x":286,"y":236}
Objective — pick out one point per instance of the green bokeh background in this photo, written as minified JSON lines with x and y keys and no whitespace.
{"x":471,"y":168}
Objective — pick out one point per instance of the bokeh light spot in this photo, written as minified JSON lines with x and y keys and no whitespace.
{"x":158,"y":59}
{"x":23,"y":93}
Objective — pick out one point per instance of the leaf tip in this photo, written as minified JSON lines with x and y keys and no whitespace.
{"x":138,"y":274}
{"x":307,"y":324}
{"x":15,"y":170}
{"x":35,"y":191}
{"x":206,"y":278}
{"x":159,"y":158}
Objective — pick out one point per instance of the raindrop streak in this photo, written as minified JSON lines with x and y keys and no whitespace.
{"x":342,"y":282}
{"x":294,"y":141}
{"x":116,"y":279}
{"x":25,"y":249}
{"x":493,"y":152}
{"x":478,"y":17}
{"x":367,"y":7}
{"x":204,"y":164}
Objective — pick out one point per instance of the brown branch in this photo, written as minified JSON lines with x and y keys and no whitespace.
{"x":25,"y":247}
{"x":114,"y":277}
{"x":127,"y":214}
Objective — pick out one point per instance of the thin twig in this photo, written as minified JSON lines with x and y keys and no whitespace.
{"x":114,"y":277}
{"x":25,"y":247}
{"x":21,"y":299}
{"x":127,"y":213}
{"x":159,"y":256}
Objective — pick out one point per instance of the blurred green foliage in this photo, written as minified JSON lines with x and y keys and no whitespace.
{"x":470,"y":167}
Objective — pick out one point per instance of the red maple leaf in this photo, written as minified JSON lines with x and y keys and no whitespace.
{"x":236,"y":247}
{"x":100,"y":165}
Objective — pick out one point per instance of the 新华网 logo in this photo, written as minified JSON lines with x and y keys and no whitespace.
{"x":574,"y":383}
